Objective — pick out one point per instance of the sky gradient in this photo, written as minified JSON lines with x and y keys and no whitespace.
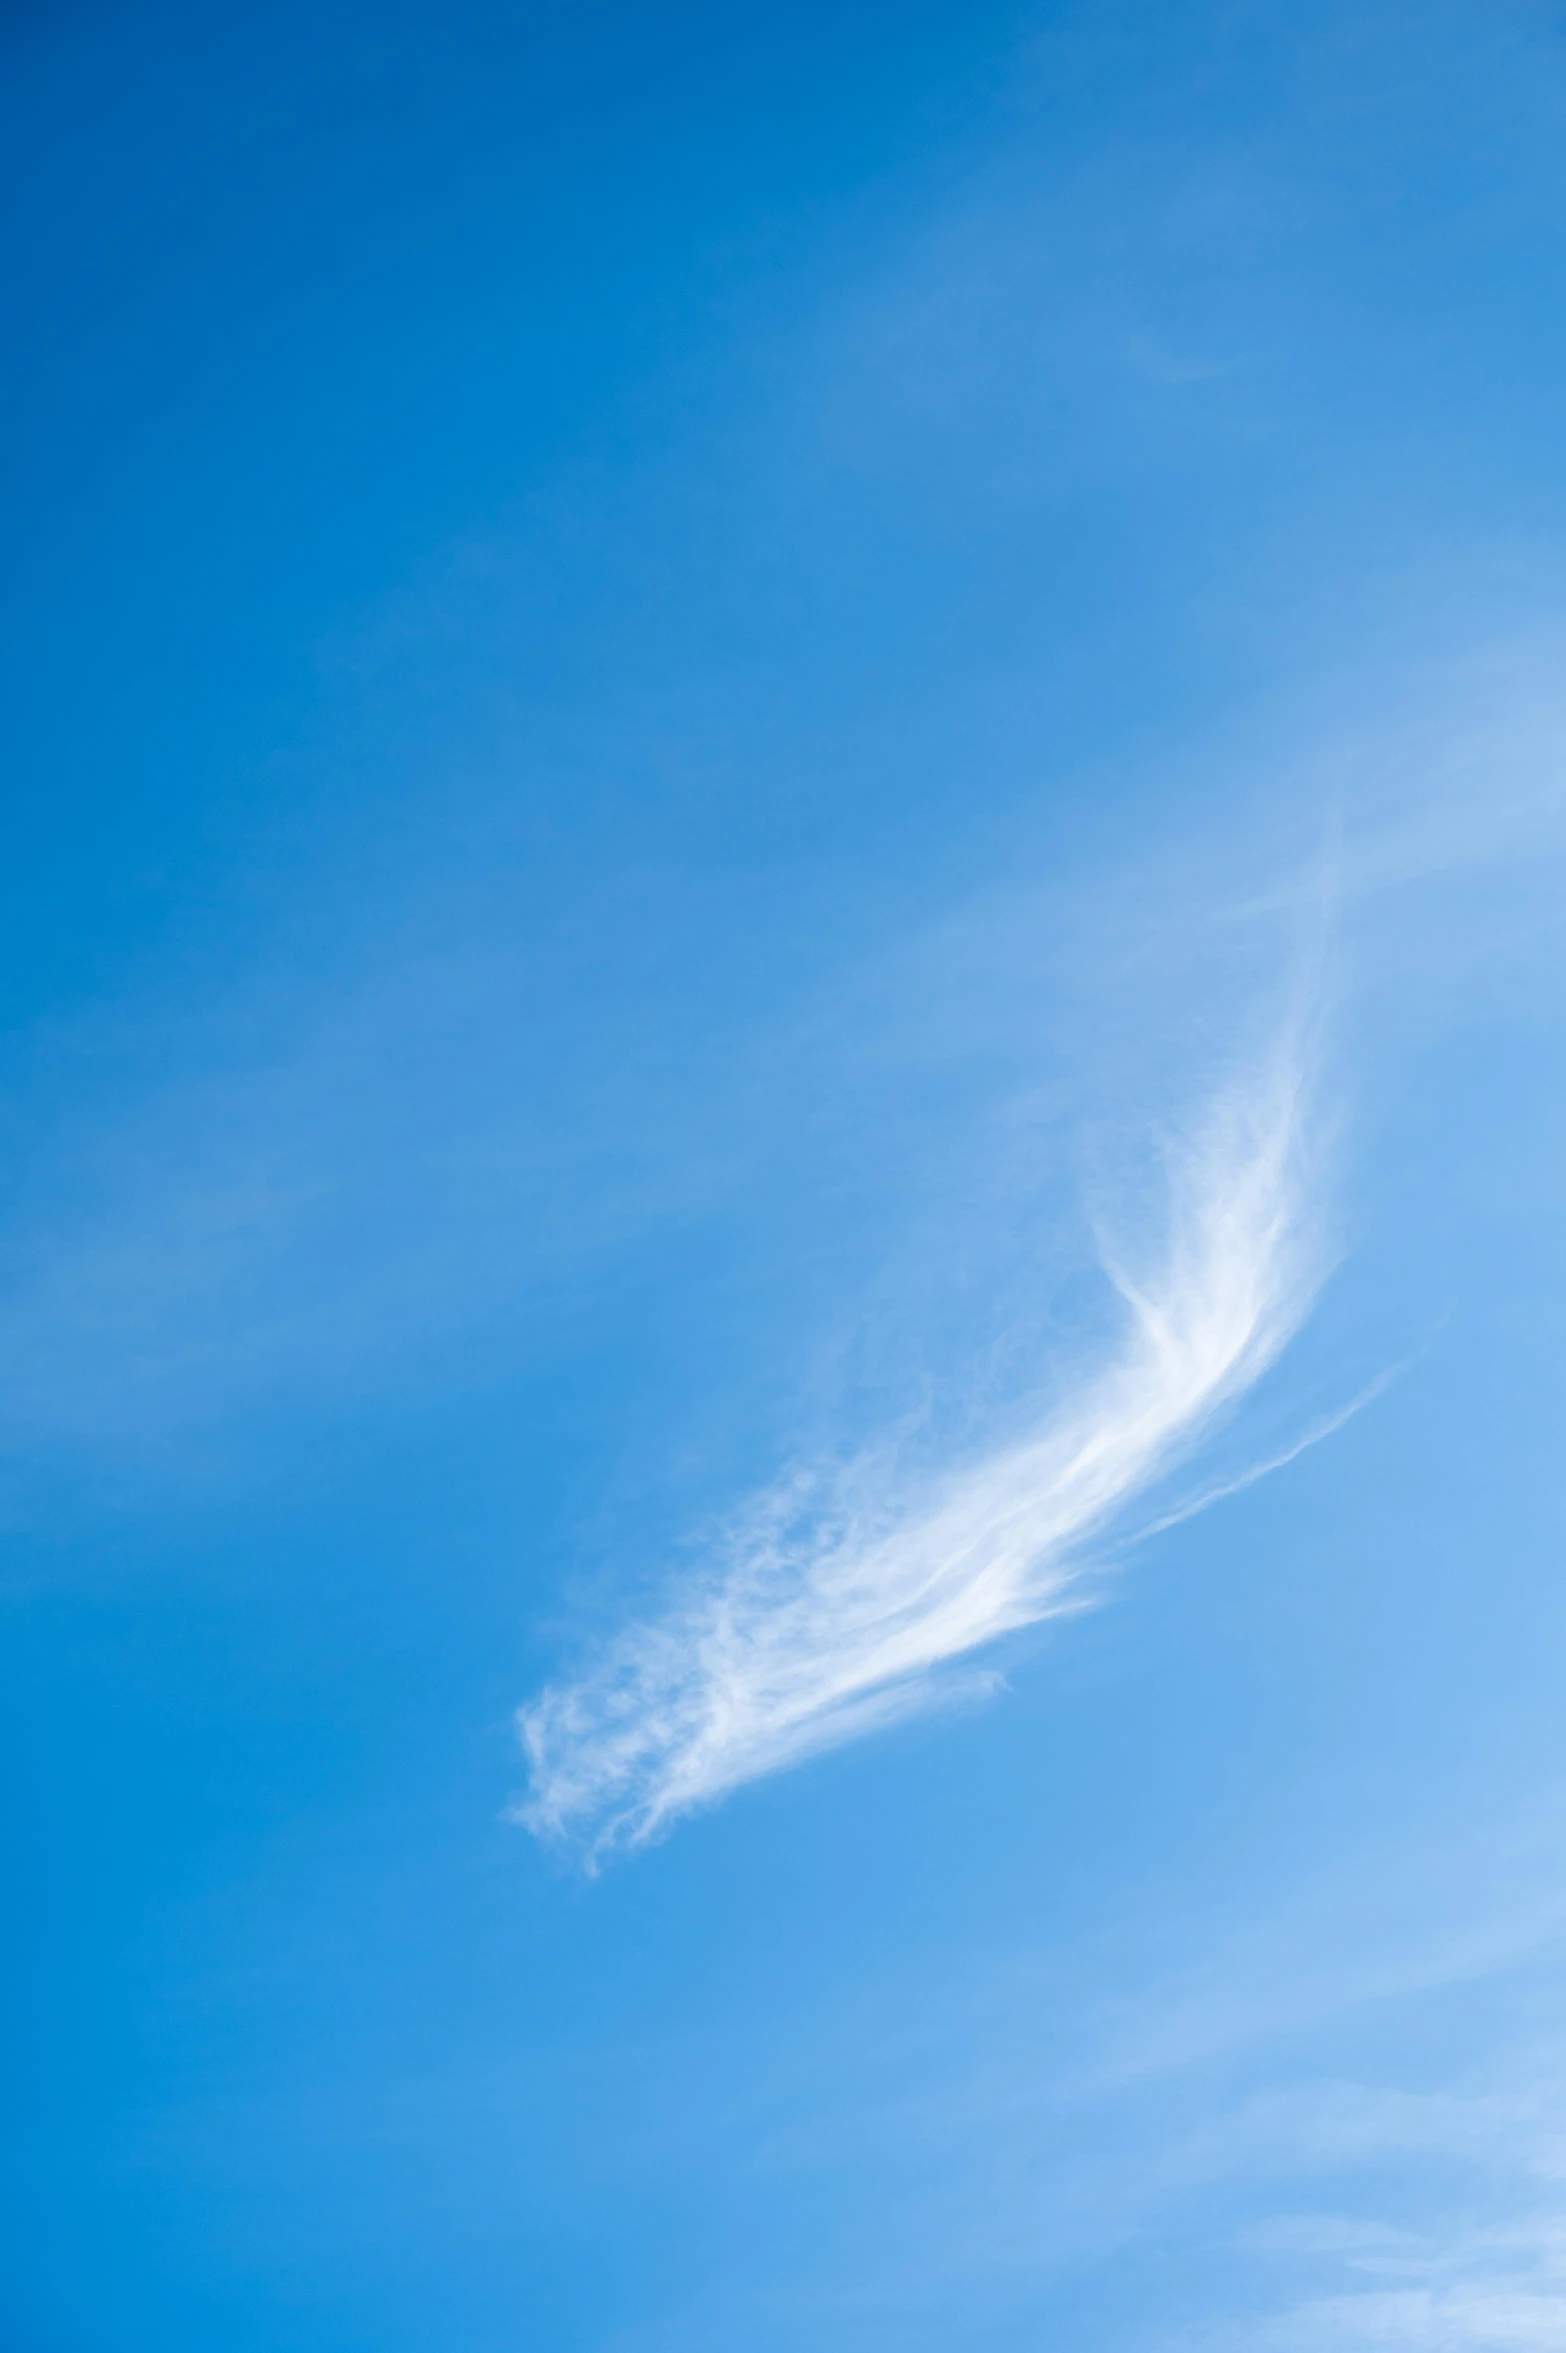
{"x":781,"y":1263}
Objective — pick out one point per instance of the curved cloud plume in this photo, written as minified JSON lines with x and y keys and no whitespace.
{"x":819,"y":1621}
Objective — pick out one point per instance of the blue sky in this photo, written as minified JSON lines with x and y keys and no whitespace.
{"x":781,"y":1274}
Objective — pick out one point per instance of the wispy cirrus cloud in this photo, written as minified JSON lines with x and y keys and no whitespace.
{"x":839,"y":1604}
{"x":1471,"y":2288}
{"x":1465,"y":2319}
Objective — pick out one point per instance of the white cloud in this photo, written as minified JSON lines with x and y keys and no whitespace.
{"x":1417,"y":2320}
{"x":836,"y":1605}
{"x":1494,"y":2291}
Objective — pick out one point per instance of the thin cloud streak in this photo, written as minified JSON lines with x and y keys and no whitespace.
{"x":821,"y":1620}
{"x":1194,"y":1505}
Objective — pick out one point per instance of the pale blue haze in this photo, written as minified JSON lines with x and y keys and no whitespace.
{"x":696,"y":702}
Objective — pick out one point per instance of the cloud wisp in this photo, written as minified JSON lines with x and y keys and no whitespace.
{"x":834,"y":1607}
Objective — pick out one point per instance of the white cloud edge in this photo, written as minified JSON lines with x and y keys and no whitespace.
{"x":821,"y":1620}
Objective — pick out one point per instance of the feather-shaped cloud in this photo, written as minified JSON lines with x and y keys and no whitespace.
{"x":823,"y":1619}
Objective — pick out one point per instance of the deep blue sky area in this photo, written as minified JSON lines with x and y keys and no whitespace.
{"x":298,"y":298}
{"x":782,"y":1032}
